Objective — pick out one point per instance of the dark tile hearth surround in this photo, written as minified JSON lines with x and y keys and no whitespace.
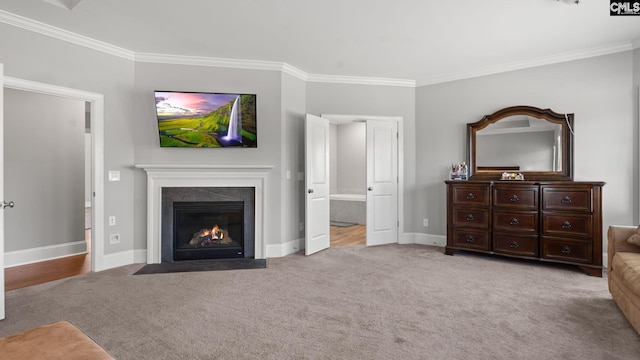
{"x":175,"y":194}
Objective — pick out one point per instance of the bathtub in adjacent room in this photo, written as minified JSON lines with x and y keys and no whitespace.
{"x":348,"y":208}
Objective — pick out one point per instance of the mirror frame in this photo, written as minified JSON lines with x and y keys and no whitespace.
{"x":564,"y":120}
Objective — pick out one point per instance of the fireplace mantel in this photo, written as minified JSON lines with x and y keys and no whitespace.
{"x":179,"y":175}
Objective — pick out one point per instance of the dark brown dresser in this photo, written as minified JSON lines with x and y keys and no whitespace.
{"x":553,"y":221}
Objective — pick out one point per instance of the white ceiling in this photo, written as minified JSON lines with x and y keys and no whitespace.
{"x":423,"y":40}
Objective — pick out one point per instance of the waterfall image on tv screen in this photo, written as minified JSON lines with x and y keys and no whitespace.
{"x":206,"y":120}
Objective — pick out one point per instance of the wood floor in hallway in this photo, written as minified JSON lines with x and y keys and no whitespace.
{"x":348,"y":235}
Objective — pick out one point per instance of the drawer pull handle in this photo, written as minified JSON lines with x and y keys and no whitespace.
{"x":514,"y":245}
{"x":470,"y":217}
{"x":470,"y":196}
{"x":514,"y":198}
{"x":514,"y":221}
{"x":566,"y":225}
{"x":470,"y":239}
{"x":566,"y":250}
{"x":566,"y":200}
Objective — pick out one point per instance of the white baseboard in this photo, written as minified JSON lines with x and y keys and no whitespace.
{"x":123,"y":258}
{"x":30,"y":256}
{"x":279,"y":250}
{"x":424,"y":239}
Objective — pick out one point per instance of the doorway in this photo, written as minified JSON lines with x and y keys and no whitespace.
{"x":45,"y":175}
{"x":384,"y":179}
{"x":93,"y":105}
{"x":348,"y":169}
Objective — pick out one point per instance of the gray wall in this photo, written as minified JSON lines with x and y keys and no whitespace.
{"x":31,"y":56}
{"x":267,"y":87}
{"x":333,"y":158}
{"x":44,"y":170}
{"x":598,"y":90}
{"x":351,"y":158}
{"x":293,"y":159}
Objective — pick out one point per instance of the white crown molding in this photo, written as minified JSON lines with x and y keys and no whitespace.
{"x":541,"y":61}
{"x":338,"y":79}
{"x":64,"y":35}
{"x":208,"y":61}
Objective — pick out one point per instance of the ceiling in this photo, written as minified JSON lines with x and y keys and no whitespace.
{"x":423,"y":40}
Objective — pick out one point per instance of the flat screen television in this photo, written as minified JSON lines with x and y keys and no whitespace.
{"x":206,"y":120}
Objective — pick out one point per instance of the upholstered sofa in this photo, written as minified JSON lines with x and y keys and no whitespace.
{"x":624,"y":272}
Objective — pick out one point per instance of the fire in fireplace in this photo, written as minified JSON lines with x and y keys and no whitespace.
{"x":208,"y":230}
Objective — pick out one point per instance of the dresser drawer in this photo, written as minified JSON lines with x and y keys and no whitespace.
{"x":471,"y":239}
{"x":515,"y":197}
{"x":567,"y":224}
{"x":567,"y":250}
{"x":465,"y":194}
{"x":567,"y":199}
{"x":470,"y":217}
{"x":522,"y":245}
{"x":515,"y":221}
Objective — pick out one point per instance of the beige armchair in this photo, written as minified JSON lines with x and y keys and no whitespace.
{"x":624,"y":272}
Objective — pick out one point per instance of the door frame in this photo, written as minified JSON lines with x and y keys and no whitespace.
{"x":97,"y":154}
{"x":344,"y":118}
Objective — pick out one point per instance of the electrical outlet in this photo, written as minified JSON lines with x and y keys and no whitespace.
{"x":425,"y":222}
{"x":114,"y":238}
{"x":112,"y":220}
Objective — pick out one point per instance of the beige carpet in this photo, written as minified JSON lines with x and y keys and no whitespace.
{"x":385,"y":302}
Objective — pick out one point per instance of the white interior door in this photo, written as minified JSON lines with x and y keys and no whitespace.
{"x":317,"y":184}
{"x":2,"y":201}
{"x":382,"y":182}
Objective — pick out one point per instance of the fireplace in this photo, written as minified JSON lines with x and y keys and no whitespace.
{"x":208,"y":230}
{"x":162,"y":178}
{"x":207,"y":223}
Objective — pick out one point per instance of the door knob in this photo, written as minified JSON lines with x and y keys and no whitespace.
{"x":310,"y":191}
{"x":7,"y":204}
{"x":370,"y":188}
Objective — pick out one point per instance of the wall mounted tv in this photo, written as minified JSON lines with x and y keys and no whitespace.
{"x":206,"y":120}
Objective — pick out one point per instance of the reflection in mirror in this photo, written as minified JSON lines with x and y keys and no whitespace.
{"x":520,"y":143}
{"x":538,"y":143}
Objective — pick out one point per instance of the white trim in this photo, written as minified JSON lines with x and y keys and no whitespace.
{"x":290,"y":247}
{"x":526,"y":64}
{"x":160,"y":176}
{"x":124,"y":258}
{"x":208,"y":61}
{"x":64,"y":35}
{"x":44,"y":253}
{"x":425,"y":239}
{"x":357,"y":80}
{"x":97,"y":149}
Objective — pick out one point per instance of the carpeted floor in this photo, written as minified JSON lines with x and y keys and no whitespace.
{"x":384,"y":302}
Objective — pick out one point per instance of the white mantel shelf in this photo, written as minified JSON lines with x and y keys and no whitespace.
{"x":202,"y":167}
{"x":182,"y":175}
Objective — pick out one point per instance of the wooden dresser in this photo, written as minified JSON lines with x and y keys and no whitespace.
{"x":553,"y":221}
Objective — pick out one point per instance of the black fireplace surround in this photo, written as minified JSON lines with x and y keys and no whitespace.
{"x":207,"y":223}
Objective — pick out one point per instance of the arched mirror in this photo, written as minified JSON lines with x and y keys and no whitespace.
{"x":537,"y":143}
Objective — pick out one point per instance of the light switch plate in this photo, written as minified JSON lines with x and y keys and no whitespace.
{"x":114,"y":175}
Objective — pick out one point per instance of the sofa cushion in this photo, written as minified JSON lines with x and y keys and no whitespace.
{"x":627,"y":266}
{"x":635,"y":237}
